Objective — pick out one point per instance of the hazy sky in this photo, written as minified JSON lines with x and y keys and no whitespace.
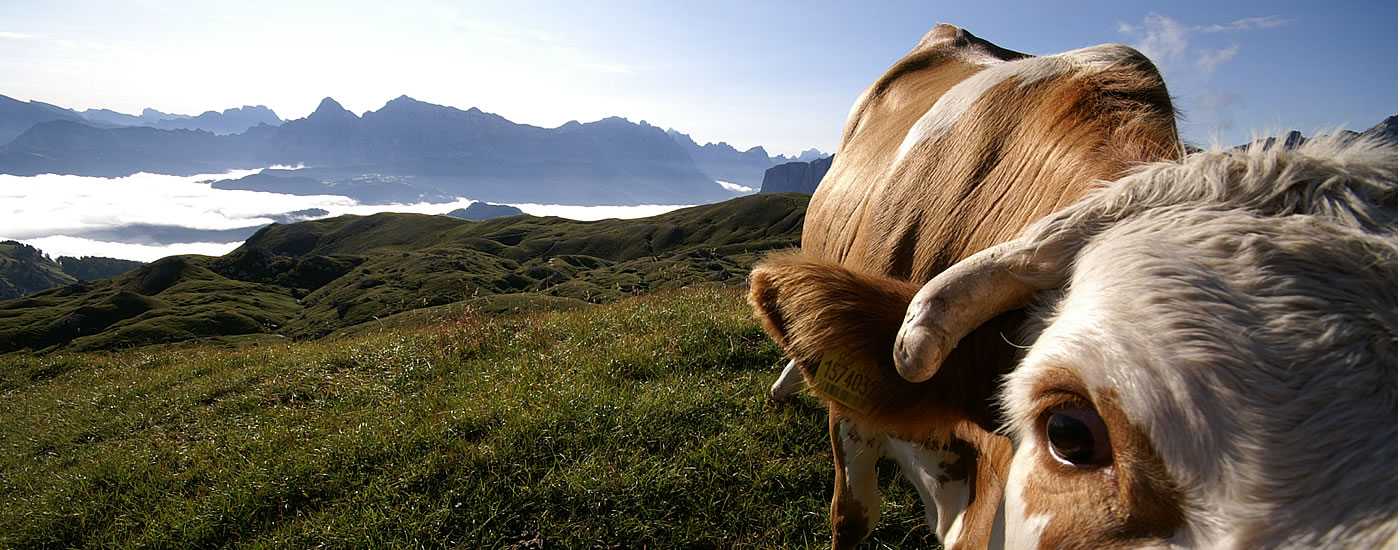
{"x":778,"y":74}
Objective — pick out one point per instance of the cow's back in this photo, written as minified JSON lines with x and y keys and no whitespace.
{"x":962,"y":144}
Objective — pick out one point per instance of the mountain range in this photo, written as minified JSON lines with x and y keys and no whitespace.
{"x":1383,"y":132}
{"x":230,"y":121}
{"x":433,"y":149}
{"x":17,"y":116}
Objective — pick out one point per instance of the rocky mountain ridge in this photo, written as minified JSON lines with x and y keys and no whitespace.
{"x":17,"y":116}
{"x":441,"y":149}
{"x":796,"y":177}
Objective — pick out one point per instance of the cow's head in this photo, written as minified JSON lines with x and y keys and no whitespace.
{"x":1211,"y":358}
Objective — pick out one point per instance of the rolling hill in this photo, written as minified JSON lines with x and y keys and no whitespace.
{"x":25,"y":270}
{"x":315,"y":278}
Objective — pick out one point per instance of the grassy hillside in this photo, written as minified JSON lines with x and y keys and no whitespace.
{"x":24,"y":270}
{"x":637,"y":424}
{"x":312,"y":279}
{"x":92,"y":268}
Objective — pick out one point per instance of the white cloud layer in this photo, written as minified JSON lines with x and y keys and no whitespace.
{"x":591,"y":213}
{"x":61,"y":245}
{"x":51,"y":212}
{"x":736,"y":187}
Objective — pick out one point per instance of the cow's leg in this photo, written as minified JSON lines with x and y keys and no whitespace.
{"x":787,"y":384}
{"x":941,"y":477}
{"x":855,"y":502}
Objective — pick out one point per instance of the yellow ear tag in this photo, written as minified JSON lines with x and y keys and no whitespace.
{"x":847,"y":378}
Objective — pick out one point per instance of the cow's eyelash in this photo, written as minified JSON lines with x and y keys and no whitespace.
{"x":1050,"y":399}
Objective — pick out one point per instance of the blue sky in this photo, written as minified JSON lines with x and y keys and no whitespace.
{"x":778,"y":74}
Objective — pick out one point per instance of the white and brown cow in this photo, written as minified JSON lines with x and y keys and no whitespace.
{"x":958,"y":147}
{"x":1212,"y":358}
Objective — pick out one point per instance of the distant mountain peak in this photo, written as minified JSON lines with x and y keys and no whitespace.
{"x":404,"y":100}
{"x":250,"y":110}
{"x":681,"y":138}
{"x":1383,"y":132}
{"x":810,"y":155}
{"x":405,"y":104}
{"x":330,"y":108}
{"x":1385,"y":129}
{"x":158,"y":115}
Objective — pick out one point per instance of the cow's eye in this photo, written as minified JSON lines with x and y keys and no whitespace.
{"x":1077,"y":436}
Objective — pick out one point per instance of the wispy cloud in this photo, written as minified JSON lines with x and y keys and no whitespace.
{"x":1248,"y":24}
{"x":1167,"y":40}
{"x":15,"y":35}
{"x":1172,"y":45}
{"x":1207,"y":61}
{"x":1217,"y":107}
{"x":1159,"y":37}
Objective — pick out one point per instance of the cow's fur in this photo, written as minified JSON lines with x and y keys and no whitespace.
{"x":959,"y":146}
{"x":1237,"y":311}
{"x":1034,"y":142}
{"x":1230,"y":317}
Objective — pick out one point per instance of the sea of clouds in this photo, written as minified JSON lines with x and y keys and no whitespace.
{"x":52,"y":212}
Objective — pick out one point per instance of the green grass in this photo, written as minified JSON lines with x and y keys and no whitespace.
{"x":639,"y":424}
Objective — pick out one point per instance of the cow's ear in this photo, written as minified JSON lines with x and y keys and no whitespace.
{"x":810,"y":306}
{"x":765,"y":289}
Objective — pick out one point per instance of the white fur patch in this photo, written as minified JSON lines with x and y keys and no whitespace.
{"x":944,"y":503}
{"x":1022,"y":530}
{"x":952,"y":105}
{"x":860,"y":452}
{"x":787,"y":383}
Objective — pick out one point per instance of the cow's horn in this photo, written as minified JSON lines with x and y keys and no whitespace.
{"x":960,"y":299}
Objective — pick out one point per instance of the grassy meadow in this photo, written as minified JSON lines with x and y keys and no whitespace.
{"x":635,"y":424}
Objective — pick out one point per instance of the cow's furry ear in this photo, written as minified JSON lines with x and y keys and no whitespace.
{"x":765,"y":288}
{"x":824,"y":314}
{"x":810,"y":306}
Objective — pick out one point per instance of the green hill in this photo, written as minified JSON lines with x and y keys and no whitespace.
{"x":92,"y":268}
{"x":315,"y":278}
{"x":25,"y":270}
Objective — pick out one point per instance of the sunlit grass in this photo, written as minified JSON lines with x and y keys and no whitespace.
{"x":638,"y":424}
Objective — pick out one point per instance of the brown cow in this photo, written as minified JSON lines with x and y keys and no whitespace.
{"x":1211,"y":358}
{"x":958,"y":147}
